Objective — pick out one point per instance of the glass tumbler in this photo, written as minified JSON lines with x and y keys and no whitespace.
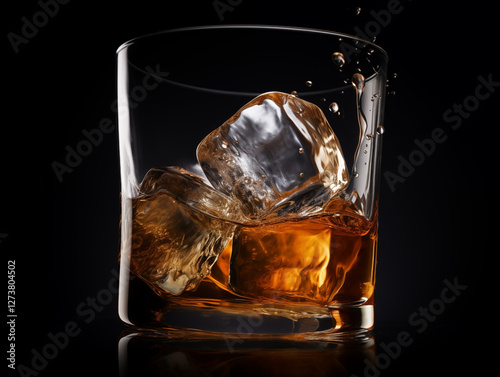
{"x":250,"y":164}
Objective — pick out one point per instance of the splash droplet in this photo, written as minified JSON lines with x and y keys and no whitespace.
{"x":301,"y":150}
{"x":309,"y":84}
{"x":358,"y":80}
{"x":394,"y":75}
{"x":334,"y":107}
{"x":357,"y":11}
{"x":294,"y":93}
{"x":369,"y":136}
{"x":380,"y":130}
{"x":301,"y":175}
{"x":338,"y":59}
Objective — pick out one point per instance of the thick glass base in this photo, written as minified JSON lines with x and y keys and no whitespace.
{"x":238,"y":319}
{"x":263,"y":322}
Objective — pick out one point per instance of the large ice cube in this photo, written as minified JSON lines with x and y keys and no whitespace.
{"x":276,"y":155}
{"x":179,"y":229}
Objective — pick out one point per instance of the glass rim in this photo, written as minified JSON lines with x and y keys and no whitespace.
{"x":255,"y":26}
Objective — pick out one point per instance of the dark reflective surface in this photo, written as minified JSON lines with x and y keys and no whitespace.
{"x":143,"y":354}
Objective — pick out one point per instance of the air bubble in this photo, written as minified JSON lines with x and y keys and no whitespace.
{"x":338,"y":58}
{"x":334,"y":107}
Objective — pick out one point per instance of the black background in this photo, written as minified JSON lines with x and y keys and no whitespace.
{"x":433,"y":226}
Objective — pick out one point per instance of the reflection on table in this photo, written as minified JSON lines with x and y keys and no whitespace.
{"x":152,"y":354}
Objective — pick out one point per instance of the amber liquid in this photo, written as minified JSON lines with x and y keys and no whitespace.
{"x":323,"y":261}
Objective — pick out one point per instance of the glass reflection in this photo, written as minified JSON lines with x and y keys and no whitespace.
{"x":152,"y":354}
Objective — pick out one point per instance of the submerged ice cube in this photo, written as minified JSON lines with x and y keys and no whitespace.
{"x":277,"y":155}
{"x":179,"y":229}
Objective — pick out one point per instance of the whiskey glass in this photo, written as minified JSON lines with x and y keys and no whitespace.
{"x":204,"y":253}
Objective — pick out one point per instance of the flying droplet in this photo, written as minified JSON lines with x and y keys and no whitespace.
{"x":394,"y":75}
{"x":380,"y":130}
{"x":309,"y":84}
{"x":301,"y":175}
{"x":301,"y":150}
{"x":293,"y":93}
{"x":358,"y":80}
{"x":334,"y":107}
{"x":338,"y":58}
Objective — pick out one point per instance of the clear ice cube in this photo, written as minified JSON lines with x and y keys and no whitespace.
{"x":277,"y":155}
{"x":179,"y":229}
